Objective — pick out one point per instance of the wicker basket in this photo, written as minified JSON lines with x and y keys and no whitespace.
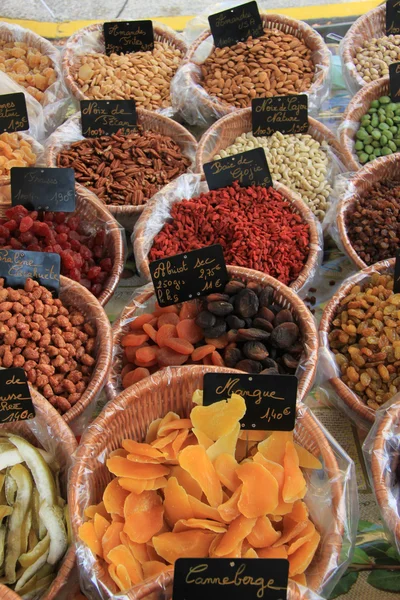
{"x":384,"y":459}
{"x":70,"y":67}
{"x":214,"y":108}
{"x":94,"y":213}
{"x":353,"y":403}
{"x":142,"y":239}
{"x":385,"y":168}
{"x":149,"y":121}
{"x":36,"y":148}
{"x":66,"y":443}
{"x":129,"y":417}
{"x":356,"y":109}
{"x":283,"y":295}
{"x":368,"y":26}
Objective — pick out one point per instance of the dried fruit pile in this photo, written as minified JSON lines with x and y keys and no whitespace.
{"x":256,"y":226}
{"x":189,"y":490}
{"x":35,"y":530}
{"x":242,"y":328}
{"x":125,"y":170}
{"x":15,"y":151}
{"x":364,"y":338}
{"x":53,"y":344}
{"x":84,"y":255}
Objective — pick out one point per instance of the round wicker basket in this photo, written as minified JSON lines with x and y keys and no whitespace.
{"x":385,"y":168}
{"x":36,"y":148}
{"x":283,"y":296}
{"x":70,"y":66}
{"x":129,"y":416}
{"x":143,"y":239}
{"x":213,"y":108}
{"x":355,"y":110}
{"x":66,"y":445}
{"x":384,"y":459}
{"x":368,"y":26}
{"x":149,"y":121}
{"x":352,"y":402}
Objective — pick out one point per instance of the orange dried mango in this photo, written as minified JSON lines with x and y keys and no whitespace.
{"x":303,"y":537}
{"x":225,"y":444}
{"x":186,"y":481}
{"x":263,"y":534}
{"x":111,"y":538}
{"x":225,"y":466}
{"x":202,"y":438}
{"x":119,"y":452}
{"x":300,"y":560}
{"x":202,"y":510}
{"x":294,"y":486}
{"x":121,"y":578}
{"x":162,"y":442}
{"x":238,"y":530}
{"x":116,"y":518}
{"x":122,"y":467}
{"x":229,"y":510}
{"x":139,"y":551}
{"x":100,"y":526}
{"x":255,"y":477}
{"x":273,"y":448}
{"x":278,"y":472}
{"x":280,"y":552}
{"x":195,"y":461}
{"x":134,"y":485}
{"x":291,"y":529}
{"x":152,"y":431}
{"x":218,"y":419}
{"x":176,"y":502}
{"x":299,"y":511}
{"x":300,"y":578}
{"x":187,"y":544}
{"x":142,"y":449}
{"x":179,"y":441}
{"x":143,"y":516}
{"x":91,"y":510}
{"x":179,"y":423}
{"x":152,"y":568}
{"x":88,"y":535}
{"x":306,"y":459}
{"x":206,"y":524}
{"x":250,"y":553}
{"x":114,"y":497}
{"x":138,"y":458}
{"x":120,"y":555}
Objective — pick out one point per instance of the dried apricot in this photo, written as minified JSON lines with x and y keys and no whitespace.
{"x":151,"y":332}
{"x":180,"y":345}
{"x":134,"y":376}
{"x":201,"y":352}
{"x":134,"y":339}
{"x":188,"y":330}
{"x":168,"y":319}
{"x":139,"y":321}
{"x":170,"y":358}
{"x":189,"y":310}
{"x":165,"y":332}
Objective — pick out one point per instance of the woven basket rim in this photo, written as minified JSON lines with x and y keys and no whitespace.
{"x":370,"y":170}
{"x":92,"y":435}
{"x":282,"y":20}
{"x":115,"y":210}
{"x":302,"y":313}
{"x":348,"y":397}
{"x":291,"y":196}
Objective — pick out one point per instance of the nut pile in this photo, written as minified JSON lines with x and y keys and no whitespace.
{"x":373,"y":222}
{"x":373,"y":58}
{"x":274,"y":64}
{"x":28,"y":67}
{"x":379,"y":132}
{"x":15,"y":151}
{"x":256,"y":226}
{"x":365,"y":340}
{"x":143,"y":76}
{"x":53,"y":344}
{"x":298,"y":161}
{"x":84,"y":254}
{"x":125,"y":170}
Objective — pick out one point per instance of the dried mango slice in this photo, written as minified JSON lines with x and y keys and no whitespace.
{"x":225,"y":466}
{"x":116,"y":518}
{"x":176,"y":502}
{"x":263,"y":534}
{"x":300,"y":579}
{"x":244,"y":448}
{"x":111,"y":538}
{"x":179,"y":441}
{"x":229,"y":510}
{"x":162,"y":442}
{"x":255,"y":477}
{"x":238,"y":530}
{"x":179,"y":423}
{"x":120,"y":555}
{"x":299,"y":511}
{"x":91,"y":510}
{"x":143,"y":516}
{"x":202,"y":438}
{"x":114,"y":497}
{"x":124,"y":583}
{"x":142,"y":449}
{"x":225,"y":444}
{"x":169,"y":417}
{"x":206,"y":524}
{"x":306,"y":459}
{"x":123,"y":576}
{"x":250,"y":553}
{"x":254,"y":435}
{"x":278,"y":472}
{"x":280,"y":552}
{"x":139,"y":551}
{"x":291,"y":529}
{"x":119,"y":452}
{"x":273,"y":448}
{"x":202,"y":510}
{"x":144,"y":459}
{"x":100,"y":526}
{"x":294,"y":486}
{"x":122,"y":467}
{"x":134,"y":485}
{"x":186,"y":481}
{"x":305,"y":536}
{"x":195,"y":461}
{"x":88,"y":535}
{"x":300,"y":560}
{"x":152,"y":431}
{"x":152,"y":568}
{"x":218,"y":419}
{"x":187,"y":544}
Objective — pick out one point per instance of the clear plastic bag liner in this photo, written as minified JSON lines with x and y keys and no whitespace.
{"x":331,"y":497}
{"x":88,"y":41}
{"x":343,"y":189}
{"x":197,"y":106}
{"x":381,"y":451}
{"x":158,"y":212}
{"x":46,"y":116}
{"x":327,"y":369}
{"x":351,"y":76}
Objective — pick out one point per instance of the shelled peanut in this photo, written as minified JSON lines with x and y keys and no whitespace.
{"x":15,"y":151}
{"x":195,"y":484}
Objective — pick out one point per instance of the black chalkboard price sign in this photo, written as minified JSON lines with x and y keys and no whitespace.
{"x":233,"y":578}
{"x":13,"y":113}
{"x":43,"y":188}
{"x":106,"y":117}
{"x":248,"y":168}
{"x":396,"y":283}
{"x":189,"y":275}
{"x":124,"y":37}
{"x":287,"y":114}
{"x":16,"y":266}
{"x":15,"y":398}
{"x":270,"y":399}
{"x":392,"y":17}
{"x":394,"y":81}
{"x":236,"y":24}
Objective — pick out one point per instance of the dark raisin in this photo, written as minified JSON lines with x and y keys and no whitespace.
{"x":249,"y":366}
{"x":205,"y":319}
{"x":255,"y":351}
{"x":246,"y":303}
{"x":234,"y":286}
{"x":220,"y":308}
{"x":284,"y":336}
{"x":283,"y":316}
{"x":234,"y":322}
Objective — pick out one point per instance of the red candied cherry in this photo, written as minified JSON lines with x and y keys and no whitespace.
{"x":75,"y":245}
{"x":2,"y":242}
{"x":73,"y":223}
{"x":65,"y":246}
{"x":67,"y":260}
{"x":27,"y":237}
{"x":93,"y":272}
{"x":106,"y":264}
{"x":78,"y":260}
{"x":85,"y":253}
{"x":48,"y":217}
{"x":4,"y":232}
{"x":96,"y":289}
{"x":100,"y":238}
{"x":25,"y":224}
{"x":16,"y":212}
{"x":86,"y":283}
{"x":16,"y":244}
{"x":34,"y":215}
{"x":98,"y":251}
{"x":75,"y":274}
{"x":11,"y":225}
{"x":59,"y":217}
{"x":101,"y":277}
{"x":62,"y":228}
{"x":62,"y":237}
{"x":41,"y":229}
{"x":74,"y":235}
{"x":34,"y":248}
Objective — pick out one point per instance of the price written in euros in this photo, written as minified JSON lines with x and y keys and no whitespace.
{"x":207,"y":272}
